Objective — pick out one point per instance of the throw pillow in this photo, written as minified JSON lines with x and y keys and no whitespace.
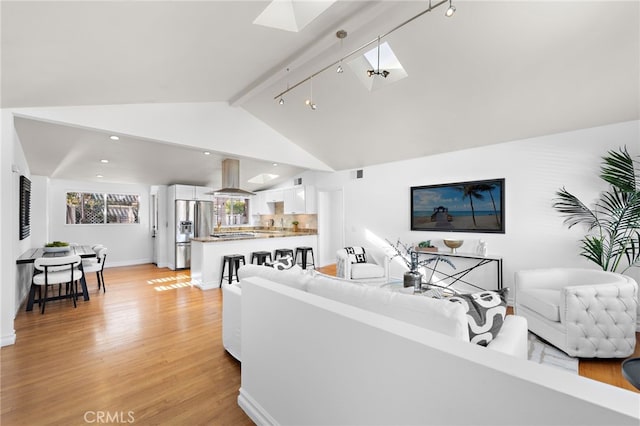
{"x":485,"y":313}
{"x":356,"y":254}
{"x":282,"y":263}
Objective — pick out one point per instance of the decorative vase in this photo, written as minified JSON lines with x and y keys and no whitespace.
{"x":413,"y":279}
{"x":482,"y":248}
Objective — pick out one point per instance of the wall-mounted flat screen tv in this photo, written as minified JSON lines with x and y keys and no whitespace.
{"x":475,"y":206}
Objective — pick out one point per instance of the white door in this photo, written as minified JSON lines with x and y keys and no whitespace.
{"x":154,"y":227}
{"x":330,"y":224}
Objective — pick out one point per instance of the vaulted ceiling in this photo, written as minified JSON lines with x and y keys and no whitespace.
{"x":494,"y":72}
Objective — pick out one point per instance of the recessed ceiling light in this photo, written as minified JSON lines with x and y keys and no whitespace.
{"x":206,"y":153}
{"x":275,"y":164}
{"x":99,"y":176}
{"x":114,"y":138}
{"x":104,"y":161}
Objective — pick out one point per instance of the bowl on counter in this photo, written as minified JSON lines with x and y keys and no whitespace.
{"x":56,"y":249}
{"x":453,"y":244}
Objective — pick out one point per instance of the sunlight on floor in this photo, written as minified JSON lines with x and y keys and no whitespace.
{"x":167,"y":280}
{"x":172,"y":286}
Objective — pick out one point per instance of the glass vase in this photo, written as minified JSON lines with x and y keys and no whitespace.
{"x":413,"y":279}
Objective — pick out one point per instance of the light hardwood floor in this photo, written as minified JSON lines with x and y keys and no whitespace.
{"x":149,"y":349}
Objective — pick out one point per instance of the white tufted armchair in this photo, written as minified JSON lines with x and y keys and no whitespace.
{"x":586,"y":313}
{"x":374,"y":270}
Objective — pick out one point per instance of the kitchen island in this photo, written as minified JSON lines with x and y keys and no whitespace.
{"x":207,"y":253}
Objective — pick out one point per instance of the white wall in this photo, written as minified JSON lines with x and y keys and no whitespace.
{"x":377,"y":206}
{"x":128,"y":244}
{"x":11,"y":157}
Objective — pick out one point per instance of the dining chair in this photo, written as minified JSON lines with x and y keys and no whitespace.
{"x":91,"y":260}
{"x":97,"y":267}
{"x":56,"y":270}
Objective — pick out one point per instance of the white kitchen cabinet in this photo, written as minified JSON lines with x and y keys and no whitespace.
{"x":203,"y":193}
{"x":184,"y":192}
{"x":294,"y":200}
{"x":190,"y":192}
{"x":274,"y":195}
{"x":259,"y":203}
{"x":310,"y":199}
{"x":297,"y":200}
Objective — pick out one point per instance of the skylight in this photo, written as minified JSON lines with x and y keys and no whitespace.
{"x":388,"y":60}
{"x":369,"y":60}
{"x":291,"y":15}
{"x":262,"y":178}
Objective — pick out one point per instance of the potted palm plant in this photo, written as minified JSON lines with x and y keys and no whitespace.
{"x":614,"y":222}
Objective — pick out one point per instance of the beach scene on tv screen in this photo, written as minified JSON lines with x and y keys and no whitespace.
{"x":473,"y":206}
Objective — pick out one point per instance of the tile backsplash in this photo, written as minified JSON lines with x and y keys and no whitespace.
{"x":281,"y":220}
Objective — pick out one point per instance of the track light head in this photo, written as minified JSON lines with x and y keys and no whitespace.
{"x":313,"y":106}
{"x":339,"y":70}
{"x":451,"y":11}
{"x":307,"y":102}
{"x":281,"y":101}
{"x":383,"y":73}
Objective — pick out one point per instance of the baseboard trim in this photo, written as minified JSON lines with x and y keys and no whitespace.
{"x":257,"y":414}
{"x":209,"y":286}
{"x":110,"y":264}
{"x":8,"y":340}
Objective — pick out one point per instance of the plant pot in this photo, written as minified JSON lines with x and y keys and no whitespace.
{"x":426,"y":249}
{"x":295,"y":228}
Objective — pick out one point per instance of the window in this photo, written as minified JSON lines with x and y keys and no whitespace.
{"x":231,"y":211}
{"x":100,"y":208}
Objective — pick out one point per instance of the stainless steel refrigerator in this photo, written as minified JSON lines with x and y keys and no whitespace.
{"x":194,"y":219}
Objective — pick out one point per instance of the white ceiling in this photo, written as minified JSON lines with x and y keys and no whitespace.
{"x":496,"y":71}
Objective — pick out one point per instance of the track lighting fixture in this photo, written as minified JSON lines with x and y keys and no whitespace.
{"x":309,"y":102}
{"x":383,"y":73}
{"x":281,"y":100}
{"x":341,"y":34}
{"x":452,"y":9}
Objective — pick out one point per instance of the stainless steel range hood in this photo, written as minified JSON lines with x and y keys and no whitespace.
{"x":231,"y":179}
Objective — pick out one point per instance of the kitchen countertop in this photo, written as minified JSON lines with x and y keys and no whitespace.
{"x":235,"y":235}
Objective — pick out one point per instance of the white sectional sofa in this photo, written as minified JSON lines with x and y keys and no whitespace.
{"x":435,"y":315}
{"x":315,"y":353}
